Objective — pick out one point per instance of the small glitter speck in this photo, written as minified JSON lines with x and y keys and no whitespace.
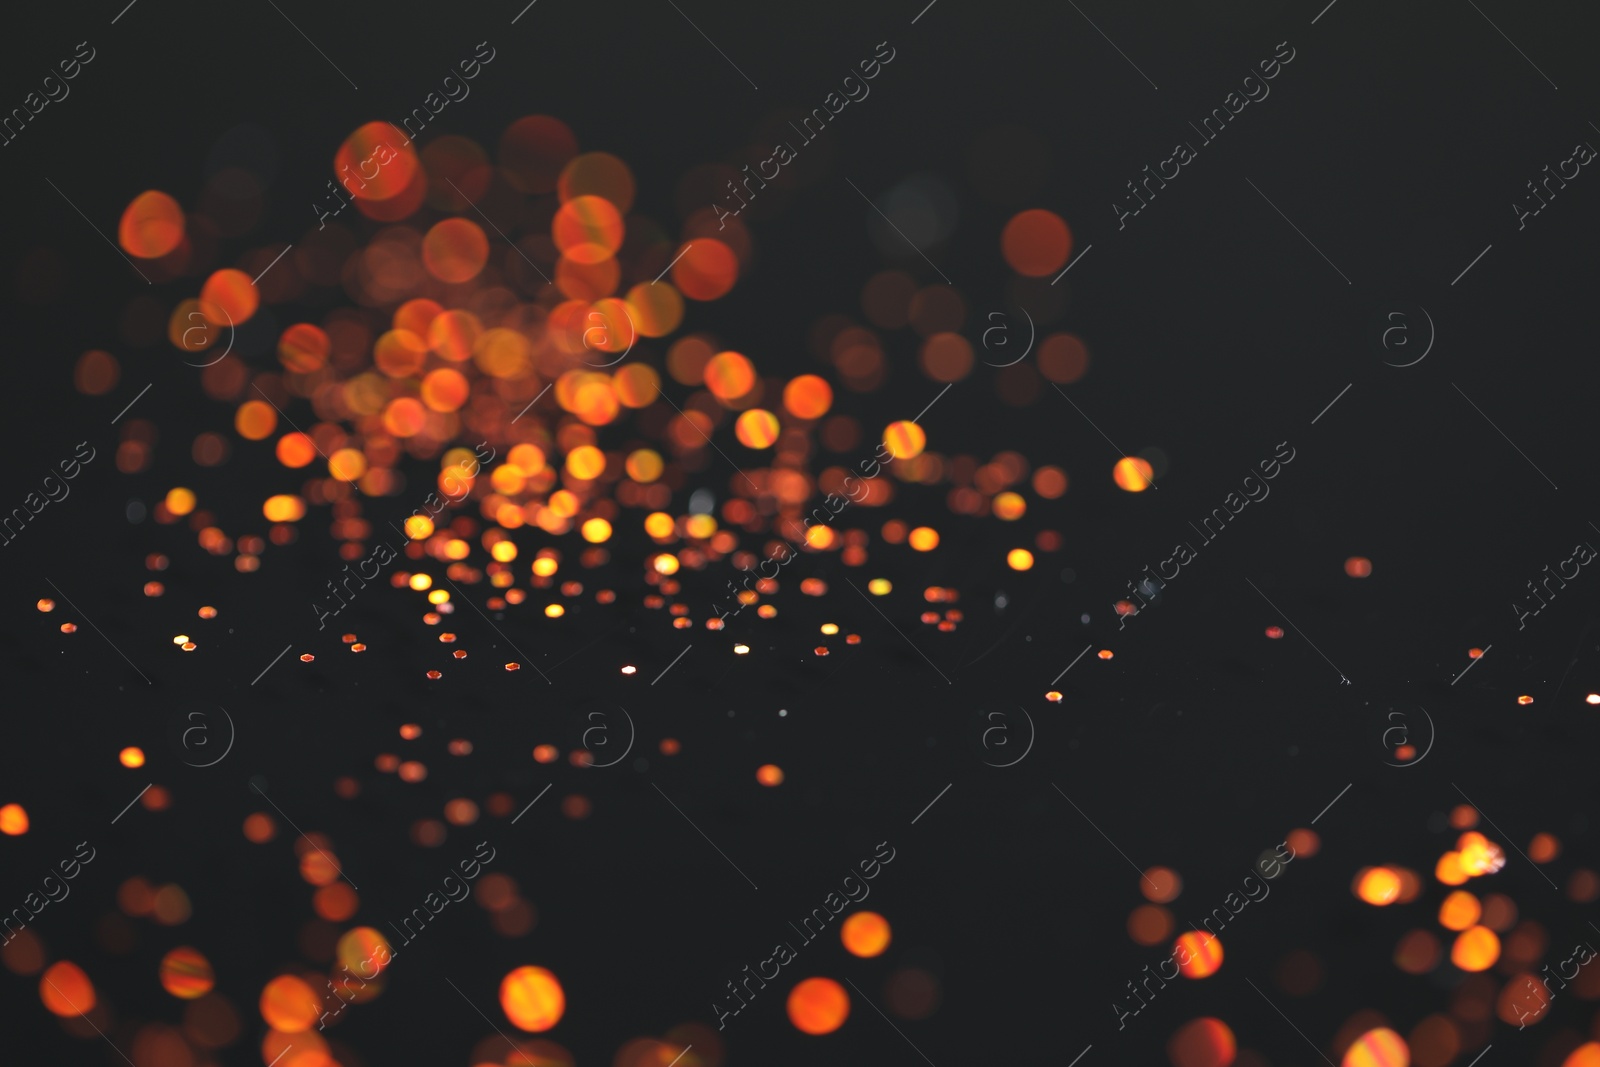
{"x":307,"y":657}
{"x":434,"y":675}
{"x":513,"y":666}
{"x":460,"y":653}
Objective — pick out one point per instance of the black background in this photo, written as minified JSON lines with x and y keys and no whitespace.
{"x":1396,"y":140}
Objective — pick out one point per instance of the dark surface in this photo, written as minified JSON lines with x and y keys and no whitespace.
{"x":1395,"y":141}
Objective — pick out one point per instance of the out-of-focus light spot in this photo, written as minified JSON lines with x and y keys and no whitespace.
{"x":13,"y":820}
{"x":1105,"y":653}
{"x":1160,"y":885}
{"x":1019,"y":559}
{"x":1205,"y":1042}
{"x":180,"y":501}
{"x":186,"y":973}
{"x":152,"y":225}
{"x":1459,"y":910}
{"x":289,"y":1004}
{"x":1036,"y":243}
{"x":419,"y":582}
{"x":879,"y":587}
{"x":1417,"y":952}
{"x":66,"y":990}
{"x":865,"y":934}
{"x":1198,"y":955}
{"x":1381,"y":1047}
{"x":1476,"y":949}
{"x":808,"y":397}
{"x":756,"y":428}
{"x":47,"y":604}
{"x":905,"y":439}
{"x":1524,"y":700}
{"x":666,"y":563}
{"x":132,"y":756}
{"x":554,"y":611}
{"x":532,"y":999}
{"x":1479,"y":855}
{"x":1053,"y":696}
{"x":1009,"y":506}
{"x":283,"y":508}
{"x":1149,"y":924}
{"x":1378,"y":886}
{"x":818,"y":1006}
{"x":1585,"y":1055}
{"x":1358,"y":566}
{"x":741,"y":650}
{"x":1275,"y":632}
{"x":924,"y":539}
{"x":596,"y":531}
{"x":1449,"y":871}
{"x":1132,"y":474}
{"x":769,"y":774}
{"x":1544,"y":848}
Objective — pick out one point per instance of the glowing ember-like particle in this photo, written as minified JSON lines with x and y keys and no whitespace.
{"x":923,"y":539}
{"x":818,"y":1006}
{"x":459,"y":653}
{"x":152,"y":225}
{"x":905,"y":439}
{"x":1479,"y":855}
{"x":69,"y":628}
{"x":13,"y":820}
{"x":289,"y":1004}
{"x":207,"y":612}
{"x":757,"y":428}
{"x":358,"y":647}
{"x":865,"y":934}
{"x":730,"y":375}
{"x":554,"y":611}
{"x":1019,"y":559}
{"x":1275,"y":632}
{"x":132,"y":756}
{"x":1476,"y":949}
{"x":879,"y":587}
{"x":820,"y":650}
{"x":705,"y":269}
{"x":363,"y":951}
{"x":1592,"y":698}
{"x":1544,"y":848}
{"x":180,"y":639}
{"x":1198,"y":955}
{"x":1449,"y":870}
{"x":1378,"y":886}
{"x":532,"y":999}
{"x":808,"y":397}
{"x":1405,"y":753}
{"x":1381,"y":1047}
{"x":1474,"y":653}
{"x":1160,"y":885}
{"x":154,"y":589}
{"x":1105,"y":653}
{"x":1036,"y":243}
{"x":1585,"y":1055}
{"x":186,"y":973}
{"x":1524,"y":700}
{"x":1358,"y":566}
{"x":1132,"y":474}
{"x":852,"y":639}
{"x":434,"y":676}
{"x":50,"y":605}
{"x":65,"y":990}
{"x":741,"y":650}
{"x":769,"y":774}
{"x":666,"y":563}
{"x":513,"y":666}
{"x":1204,"y":1042}
{"x":1459,"y":911}
{"x":1053,"y":696}
{"x":307,"y":657}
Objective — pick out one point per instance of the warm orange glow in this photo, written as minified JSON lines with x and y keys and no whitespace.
{"x":865,"y":934}
{"x":151,"y":226}
{"x":818,"y":1006}
{"x":66,"y":990}
{"x":1019,"y":559}
{"x":705,"y":270}
{"x":232,"y":293}
{"x":1203,"y":1042}
{"x":808,"y":397}
{"x":1160,"y":885}
{"x":1448,"y":869}
{"x":1585,"y":1055}
{"x":1476,"y":949}
{"x":455,"y":250}
{"x":905,"y":439}
{"x":730,"y":375}
{"x":1379,"y":886}
{"x":1132,"y":474}
{"x":1036,"y":243}
{"x":1358,"y":566}
{"x":1381,"y":1047}
{"x":132,"y":756}
{"x":1198,"y":955}
{"x":186,"y":973}
{"x":756,"y":428}
{"x":769,"y":774}
{"x":532,"y":999}
{"x":13,"y":820}
{"x":289,"y":1004}
{"x":1459,"y":910}
{"x":924,"y":539}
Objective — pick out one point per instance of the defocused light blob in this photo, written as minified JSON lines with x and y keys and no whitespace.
{"x":1381,"y":1047}
{"x":818,"y":1006}
{"x":865,"y":934}
{"x":532,"y":999}
{"x":1202,"y":1043}
{"x":152,"y":225}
